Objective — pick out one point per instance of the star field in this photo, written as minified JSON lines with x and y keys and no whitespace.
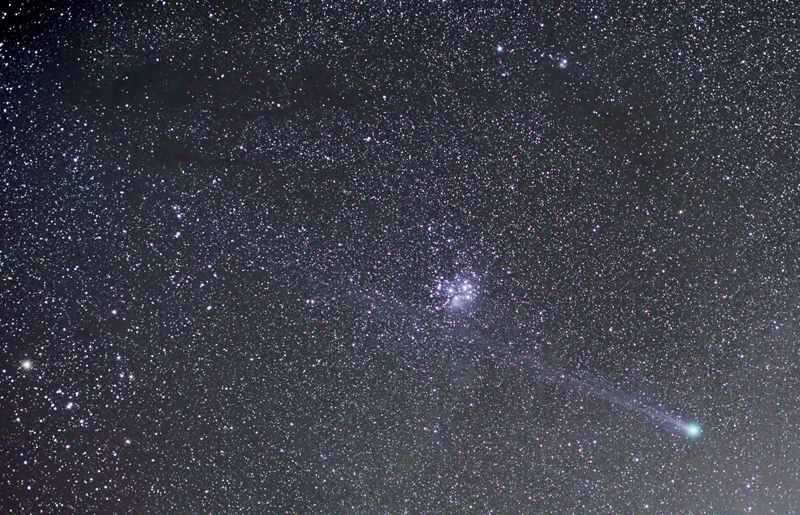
{"x":400,"y":258}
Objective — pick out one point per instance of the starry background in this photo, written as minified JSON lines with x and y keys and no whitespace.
{"x":400,"y":258}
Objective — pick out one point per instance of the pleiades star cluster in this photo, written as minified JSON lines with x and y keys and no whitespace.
{"x":400,"y":257}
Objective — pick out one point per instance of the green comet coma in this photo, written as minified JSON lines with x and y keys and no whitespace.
{"x":693,"y":430}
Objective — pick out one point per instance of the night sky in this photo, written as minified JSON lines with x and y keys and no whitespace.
{"x":402,"y":257}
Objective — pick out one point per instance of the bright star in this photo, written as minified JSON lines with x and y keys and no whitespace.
{"x":26,"y":364}
{"x":456,"y":293}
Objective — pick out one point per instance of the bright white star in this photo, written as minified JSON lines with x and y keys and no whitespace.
{"x":457,"y":293}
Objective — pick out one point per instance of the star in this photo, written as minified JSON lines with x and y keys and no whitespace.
{"x":26,"y":364}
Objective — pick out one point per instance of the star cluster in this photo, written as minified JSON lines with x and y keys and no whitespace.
{"x":327,"y":257}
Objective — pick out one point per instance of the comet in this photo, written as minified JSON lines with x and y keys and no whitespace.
{"x":602,"y":390}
